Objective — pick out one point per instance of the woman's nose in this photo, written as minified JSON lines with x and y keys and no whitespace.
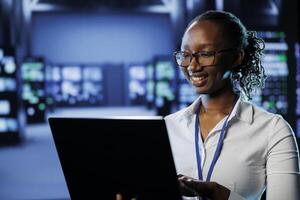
{"x":194,"y":65}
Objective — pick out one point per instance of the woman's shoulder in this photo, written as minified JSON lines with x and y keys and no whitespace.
{"x":186,"y":112}
{"x":178,"y":114}
{"x":263,"y":116}
{"x":259,"y":111}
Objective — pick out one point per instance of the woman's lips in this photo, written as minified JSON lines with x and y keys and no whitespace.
{"x":198,"y":81}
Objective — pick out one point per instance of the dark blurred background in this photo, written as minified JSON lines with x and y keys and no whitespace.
{"x":93,"y":58}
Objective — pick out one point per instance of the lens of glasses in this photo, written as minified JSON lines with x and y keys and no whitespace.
{"x":205,"y":58}
{"x":183,"y":59}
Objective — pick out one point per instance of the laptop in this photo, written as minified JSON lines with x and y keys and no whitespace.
{"x":102,"y":157}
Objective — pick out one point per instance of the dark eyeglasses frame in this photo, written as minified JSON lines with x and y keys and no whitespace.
{"x":200,"y":53}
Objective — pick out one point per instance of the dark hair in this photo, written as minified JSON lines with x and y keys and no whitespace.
{"x":250,"y":75}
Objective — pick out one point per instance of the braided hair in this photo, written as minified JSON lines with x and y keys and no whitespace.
{"x":250,"y":74}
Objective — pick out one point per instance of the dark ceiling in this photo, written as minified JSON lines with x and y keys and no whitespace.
{"x":106,"y":3}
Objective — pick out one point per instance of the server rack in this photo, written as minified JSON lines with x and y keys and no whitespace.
{"x":10,"y":116}
{"x":164,"y":85}
{"x":136,"y":84}
{"x":33,"y":72}
{"x":77,"y":85}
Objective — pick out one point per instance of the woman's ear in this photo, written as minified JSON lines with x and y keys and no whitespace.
{"x":239,"y":59}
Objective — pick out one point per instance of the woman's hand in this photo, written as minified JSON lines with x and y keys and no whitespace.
{"x":193,"y":187}
{"x":119,"y":196}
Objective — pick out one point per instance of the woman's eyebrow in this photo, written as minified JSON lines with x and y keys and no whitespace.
{"x":201,"y":46}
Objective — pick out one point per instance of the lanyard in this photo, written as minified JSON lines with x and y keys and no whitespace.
{"x":218,"y":150}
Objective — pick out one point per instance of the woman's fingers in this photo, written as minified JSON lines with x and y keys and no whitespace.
{"x":187,"y":191}
{"x":197,"y":187}
{"x":200,"y":186}
{"x":118,"y":196}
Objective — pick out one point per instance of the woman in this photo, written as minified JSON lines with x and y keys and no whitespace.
{"x":223,"y":146}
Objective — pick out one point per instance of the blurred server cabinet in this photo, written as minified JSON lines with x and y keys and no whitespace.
{"x":71,"y":84}
{"x":164,"y":85}
{"x":10,"y":127}
{"x":150,"y":85}
{"x":136,"y":82}
{"x":92,"y":86}
{"x":274,"y":96}
{"x":33,"y":72}
{"x":114,"y":83}
{"x":77,"y":85}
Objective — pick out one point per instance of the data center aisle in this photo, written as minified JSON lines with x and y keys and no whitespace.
{"x":32,"y":170}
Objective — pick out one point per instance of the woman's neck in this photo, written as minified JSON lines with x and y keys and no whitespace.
{"x":218,"y":104}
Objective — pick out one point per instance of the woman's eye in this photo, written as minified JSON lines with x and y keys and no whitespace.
{"x":206,"y":53}
{"x":184,"y":55}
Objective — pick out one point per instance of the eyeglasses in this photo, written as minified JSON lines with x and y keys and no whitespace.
{"x":205,"y":58}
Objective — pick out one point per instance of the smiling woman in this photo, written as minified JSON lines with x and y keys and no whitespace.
{"x":225,"y":147}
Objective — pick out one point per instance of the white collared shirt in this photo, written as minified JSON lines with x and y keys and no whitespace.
{"x":259,"y":151}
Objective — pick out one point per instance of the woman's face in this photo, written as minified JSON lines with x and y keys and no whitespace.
{"x":207,"y":36}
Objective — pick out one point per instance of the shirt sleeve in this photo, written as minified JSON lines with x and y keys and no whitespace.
{"x":282,"y":168}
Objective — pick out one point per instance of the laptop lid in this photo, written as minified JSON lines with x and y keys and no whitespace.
{"x":105,"y":156}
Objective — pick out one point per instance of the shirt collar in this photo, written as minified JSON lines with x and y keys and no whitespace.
{"x":242,"y":110}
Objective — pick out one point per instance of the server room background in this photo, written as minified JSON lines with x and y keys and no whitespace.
{"x":93,"y":58}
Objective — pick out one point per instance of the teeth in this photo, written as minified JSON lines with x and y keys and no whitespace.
{"x":198,"y":78}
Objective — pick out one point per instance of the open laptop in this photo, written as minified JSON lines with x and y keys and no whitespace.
{"x":105,"y":156}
